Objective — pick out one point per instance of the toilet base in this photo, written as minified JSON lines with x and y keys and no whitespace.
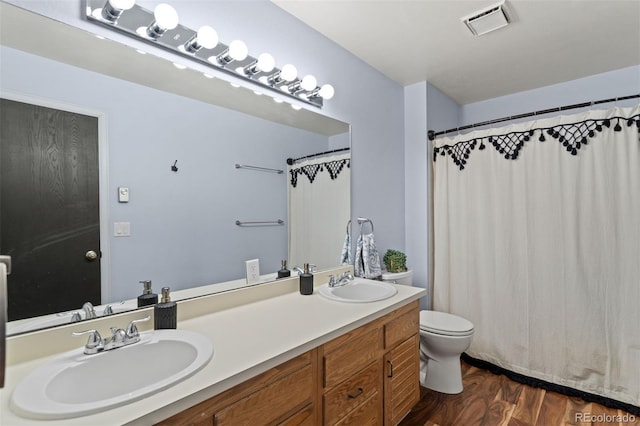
{"x":443,"y":376}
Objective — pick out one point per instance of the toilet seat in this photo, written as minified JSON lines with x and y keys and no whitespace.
{"x":445,"y":324}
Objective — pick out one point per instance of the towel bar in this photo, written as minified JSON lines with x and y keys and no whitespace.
{"x":262,"y":169}
{"x":264,"y":222}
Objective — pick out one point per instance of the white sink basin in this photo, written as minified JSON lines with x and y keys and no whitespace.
{"x":74,"y":384}
{"x":359,"y":291}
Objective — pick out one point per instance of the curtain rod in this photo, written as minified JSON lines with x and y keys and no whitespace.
{"x":432,"y":135}
{"x":290,"y":161}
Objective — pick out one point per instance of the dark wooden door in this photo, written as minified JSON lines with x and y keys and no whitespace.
{"x":49,"y":208}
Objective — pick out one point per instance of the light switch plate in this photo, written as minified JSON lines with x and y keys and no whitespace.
{"x":121,"y":229}
{"x":253,"y":271}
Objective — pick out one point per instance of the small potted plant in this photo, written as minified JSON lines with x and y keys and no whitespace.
{"x":395,"y":261}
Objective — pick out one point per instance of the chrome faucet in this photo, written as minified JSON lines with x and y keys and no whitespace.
{"x":119,"y":338}
{"x":89,"y":312}
{"x":344,"y":279}
{"x":299,"y":270}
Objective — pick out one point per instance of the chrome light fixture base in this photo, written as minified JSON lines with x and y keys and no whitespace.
{"x":140,"y":23}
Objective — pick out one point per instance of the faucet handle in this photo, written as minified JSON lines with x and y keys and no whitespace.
{"x":108,"y":310}
{"x":348,"y":275}
{"x":94,"y":344}
{"x":333,"y":281}
{"x":132,"y":329}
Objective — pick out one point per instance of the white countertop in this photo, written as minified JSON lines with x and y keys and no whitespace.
{"x":248,"y":340}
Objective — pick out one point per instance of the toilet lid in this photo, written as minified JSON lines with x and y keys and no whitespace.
{"x":444,"y":323}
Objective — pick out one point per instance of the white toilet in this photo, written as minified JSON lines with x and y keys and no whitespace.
{"x":443,"y":338}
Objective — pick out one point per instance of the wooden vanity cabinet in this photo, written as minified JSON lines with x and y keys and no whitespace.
{"x":368,"y":376}
{"x":371,"y":375}
{"x":284,"y":395}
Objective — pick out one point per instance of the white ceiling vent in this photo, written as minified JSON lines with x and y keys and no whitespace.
{"x":488,"y":19}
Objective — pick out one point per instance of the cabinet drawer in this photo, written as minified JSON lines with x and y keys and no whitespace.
{"x":269,"y":405}
{"x":351,"y":393}
{"x":368,"y":414}
{"x":403,"y":327}
{"x":304,"y":417}
{"x":346,"y":360}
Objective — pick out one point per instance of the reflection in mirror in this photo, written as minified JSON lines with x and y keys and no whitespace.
{"x":176,"y":228}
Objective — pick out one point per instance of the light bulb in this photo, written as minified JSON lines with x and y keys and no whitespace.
{"x":266,"y":63}
{"x":288,"y":73}
{"x":238,"y":50}
{"x":326,"y":91}
{"x":113,"y":9}
{"x":207,"y":37}
{"x":122,"y":4}
{"x":308,"y":83}
{"x":166,"y":16}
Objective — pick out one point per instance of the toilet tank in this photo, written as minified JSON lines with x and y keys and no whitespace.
{"x":404,"y":278}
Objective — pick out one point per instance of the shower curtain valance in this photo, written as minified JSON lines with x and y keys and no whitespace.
{"x":572,"y":136}
{"x":311,"y":170}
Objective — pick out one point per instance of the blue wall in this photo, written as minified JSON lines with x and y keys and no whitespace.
{"x":618,"y":83}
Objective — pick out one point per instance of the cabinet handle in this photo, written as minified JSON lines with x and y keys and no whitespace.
{"x":354,"y":393}
{"x":390,"y":368}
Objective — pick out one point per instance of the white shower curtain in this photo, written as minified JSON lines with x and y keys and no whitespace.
{"x":542,"y":253}
{"x":319,"y":209}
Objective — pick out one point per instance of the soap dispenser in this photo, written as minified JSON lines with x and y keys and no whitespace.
{"x":165,"y":313}
{"x":306,"y":281}
{"x":148,"y":297}
{"x":284,"y":272}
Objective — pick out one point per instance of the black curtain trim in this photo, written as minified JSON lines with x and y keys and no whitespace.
{"x":571,"y":135}
{"x":311,"y":170}
{"x":543,"y":384}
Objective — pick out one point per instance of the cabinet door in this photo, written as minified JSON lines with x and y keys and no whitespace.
{"x":272,"y":404}
{"x":402,"y":380}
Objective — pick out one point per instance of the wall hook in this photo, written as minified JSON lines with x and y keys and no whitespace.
{"x":174,"y":168}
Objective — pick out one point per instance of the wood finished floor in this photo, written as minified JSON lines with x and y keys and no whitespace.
{"x":489,"y":399}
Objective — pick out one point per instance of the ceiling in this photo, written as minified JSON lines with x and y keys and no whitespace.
{"x":547,"y":42}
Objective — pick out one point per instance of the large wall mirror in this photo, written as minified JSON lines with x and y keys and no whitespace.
{"x":169,"y":186}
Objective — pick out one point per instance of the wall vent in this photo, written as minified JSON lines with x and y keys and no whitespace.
{"x":488,"y":19}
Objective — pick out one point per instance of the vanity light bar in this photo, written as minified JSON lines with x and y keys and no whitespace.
{"x":161,"y":28}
